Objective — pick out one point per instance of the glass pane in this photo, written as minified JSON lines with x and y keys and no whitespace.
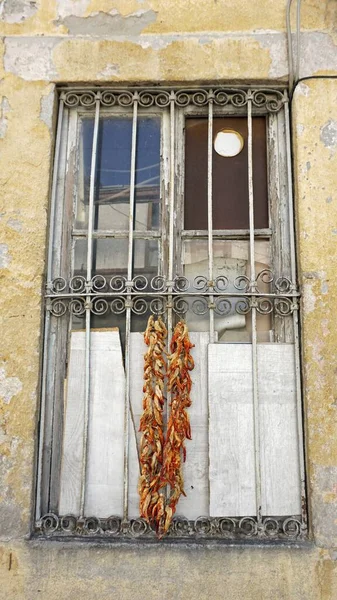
{"x":110,"y":256}
{"x":230,"y":176}
{"x":147,"y":197}
{"x":231,"y":261}
{"x":113,"y":174}
{"x":112,"y":184}
{"x":80,"y":258}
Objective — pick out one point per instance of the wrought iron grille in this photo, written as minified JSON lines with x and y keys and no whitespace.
{"x":85,"y":294}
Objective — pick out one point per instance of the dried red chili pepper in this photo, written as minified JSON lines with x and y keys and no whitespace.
{"x":151,"y":423}
{"x":180,"y":363}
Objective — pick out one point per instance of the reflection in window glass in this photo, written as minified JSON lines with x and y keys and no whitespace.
{"x":147,"y":194}
{"x":231,"y":260}
{"x":112,"y":184}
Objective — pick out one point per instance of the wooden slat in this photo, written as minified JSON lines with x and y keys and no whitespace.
{"x":104,"y":489}
{"x":137,"y":351}
{"x":232,"y":487}
{"x":231,"y":439}
{"x":279,"y":442}
{"x":70,"y":488}
{"x":106,"y":426}
{"x":195,"y":469}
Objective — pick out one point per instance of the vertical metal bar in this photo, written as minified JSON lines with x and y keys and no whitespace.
{"x":254,"y":334}
{"x":293,"y":271}
{"x":172,"y":186}
{"x":47,"y":319}
{"x":128,"y":309}
{"x":88,"y":305}
{"x":171,"y":219}
{"x":210,"y":215}
{"x":171,"y":242}
{"x":53,"y":191}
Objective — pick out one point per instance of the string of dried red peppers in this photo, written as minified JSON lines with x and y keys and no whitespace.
{"x":161,"y":462}
{"x":151,"y":423}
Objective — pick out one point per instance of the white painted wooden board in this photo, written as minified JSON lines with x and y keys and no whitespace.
{"x":137,"y":351}
{"x":104,"y":485}
{"x":231,"y":440}
{"x":232,"y":477}
{"x":105,"y":472}
{"x":195,"y":469}
{"x":280,"y":475}
{"x":70,"y":480}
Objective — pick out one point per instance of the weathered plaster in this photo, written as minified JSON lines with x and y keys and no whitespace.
{"x":317,"y":217}
{"x":255,"y":56}
{"x":318,"y":53}
{"x":9,"y":386}
{"x":4,"y":110}
{"x":174,"y":62}
{"x":30,"y":59}
{"x":329,"y":135}
{"x":110,"y":70}
{"x":173,"y":16}
{"x":16,"y":11}
{"x":5,"y":257}
{"x":47,"y":107}
{"x":105,"y":24}
{"x":53,"y":571}
{"x":76,"y":8}
{"x":14,"y":224}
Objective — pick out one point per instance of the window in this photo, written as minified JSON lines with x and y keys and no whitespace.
{"x":176,"y":203}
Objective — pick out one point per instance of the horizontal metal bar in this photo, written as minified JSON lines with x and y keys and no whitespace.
{"x":195,"y":294}
{"x":78,"y":233}
{"x":226,"y":233}
{"x":289,"y":528}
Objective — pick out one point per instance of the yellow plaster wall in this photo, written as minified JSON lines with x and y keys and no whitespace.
{"x":171,"y":16}
{"x":315,"y":145}
{"x":162,"y":41}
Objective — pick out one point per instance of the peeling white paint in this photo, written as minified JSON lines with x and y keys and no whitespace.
{"x":66,"y":8}
{"x":328,"y":135}
{"x":103,"y":24}
{"x":299,"y":128}
{"x":302,"y":89}
{"x":4,"y":110}
{"x":111,"y":70}
{"x":9,"y":386}
{"x":47,"y":109}
{"x":325,"y":327}
{"x":30,"y":59}
{"x":276,"y":44}
{"x":5,"y":257}
{"x":309,"y":299}
{"x":324,"y":287}
{"x":15,"y":224}
{"x":17,"y":11}
{"x":318,"y":53}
